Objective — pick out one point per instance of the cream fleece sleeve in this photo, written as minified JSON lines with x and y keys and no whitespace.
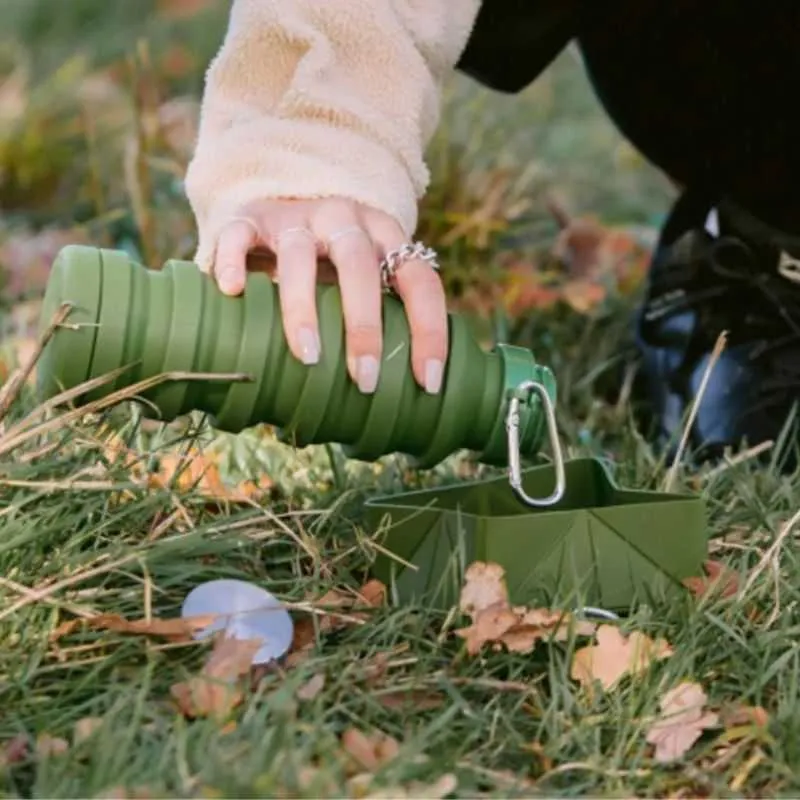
{"x":321,"y":98}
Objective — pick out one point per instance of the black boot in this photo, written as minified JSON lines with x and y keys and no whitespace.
{"x":743,"y":279}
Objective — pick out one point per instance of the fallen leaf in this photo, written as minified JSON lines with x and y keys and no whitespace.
{"x":413,"y":699}
{"x":744,"y":715}
{"x":489,"y":627}
{"x":370,"y":751}
{"x":85,"y":729}
{"x":614,"y":656}
{"x":338,"y":604}
{"x":309,"y":690}
{"x":15,"y":750}
{"x":484,"y":597}
{"x":682,"y":722}
{"x":719,"y":578}
{"x":373,"y":593}
{"x":197,"y":471}
{"x":175,"y":630}
{"x":214,"y":692}
{"x":48,"y":746}
{"x":484,"y":587}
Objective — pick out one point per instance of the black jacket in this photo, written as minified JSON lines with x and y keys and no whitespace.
{"x":707,"y":90}
{"x":513,"y":41}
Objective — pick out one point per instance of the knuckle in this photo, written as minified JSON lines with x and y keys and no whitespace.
{"x":339,"y":208}
{"x":431,"y":341}
{"x":364,"y":337}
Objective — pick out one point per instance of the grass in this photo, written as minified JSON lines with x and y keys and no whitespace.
{"x":78,"y":536}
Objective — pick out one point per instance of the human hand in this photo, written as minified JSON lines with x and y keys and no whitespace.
{"x":354,"y":238}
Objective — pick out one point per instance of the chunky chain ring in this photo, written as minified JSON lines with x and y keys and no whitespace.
{"x":408,"y":252}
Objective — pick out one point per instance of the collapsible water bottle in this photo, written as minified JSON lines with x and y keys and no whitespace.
{"x":176,"y":319}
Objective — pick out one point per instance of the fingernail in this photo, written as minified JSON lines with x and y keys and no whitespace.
{"x":309,"y":346}
{"x":228,"y":279}
{"x":367,"y":374}
{"x":433,"y":376}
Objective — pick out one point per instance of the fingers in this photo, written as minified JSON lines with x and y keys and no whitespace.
{"x":354,"y":239}
{"x":296,"y":254}
{"x":353,"y":253}
{"x":238,"y":237}
{"x":421,"y":290}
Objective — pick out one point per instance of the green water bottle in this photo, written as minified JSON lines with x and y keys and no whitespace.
{"x":176,"y":319}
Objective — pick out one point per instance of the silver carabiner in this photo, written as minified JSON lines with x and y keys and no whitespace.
{"x":514,"y":458}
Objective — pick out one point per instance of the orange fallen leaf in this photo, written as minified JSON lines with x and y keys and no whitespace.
{"x":332,"y":612}
{"x":199,"y":472}
{"x":193,"y":471}
{"x":615,"y":656}
{"x":719,"y":578}
{"x":484,"y":597}
{"x":370,"y":751}
{"x":175,"y":630}
{"x":744,"y":715}
{"x":372,"y":593}
{"x":49,"y":746}
{"x":682,"y":722}
{"x":214,"y":692}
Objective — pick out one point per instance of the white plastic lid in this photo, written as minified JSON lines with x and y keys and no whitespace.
{"x":245,"y":611}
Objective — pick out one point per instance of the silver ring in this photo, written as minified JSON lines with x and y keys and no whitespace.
{"x":415,"y":251}
{"x":288,"y":231}
{"x":344,"y":232}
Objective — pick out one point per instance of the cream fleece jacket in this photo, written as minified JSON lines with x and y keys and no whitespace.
{"x":322,"y":98}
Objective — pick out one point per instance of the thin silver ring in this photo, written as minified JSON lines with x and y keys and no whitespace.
{"x":334,"y":237}
{"x":297,"y":229}
{"x":412,"y":251}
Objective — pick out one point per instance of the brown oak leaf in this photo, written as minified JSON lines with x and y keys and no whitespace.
{"x":370,"y":751}
{"x":484,"y":597}
{"x":615,"y":656}
{"x":215,"y":691}
{"x":719,"y":578}
{"x":337,"y":604}
{"x":179,"y":629}
{"x":681,"y":723}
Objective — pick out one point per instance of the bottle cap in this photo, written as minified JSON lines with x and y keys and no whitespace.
{"x":245,"y":611}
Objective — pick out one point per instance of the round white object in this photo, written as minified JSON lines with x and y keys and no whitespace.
{"x":245,"y":611}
